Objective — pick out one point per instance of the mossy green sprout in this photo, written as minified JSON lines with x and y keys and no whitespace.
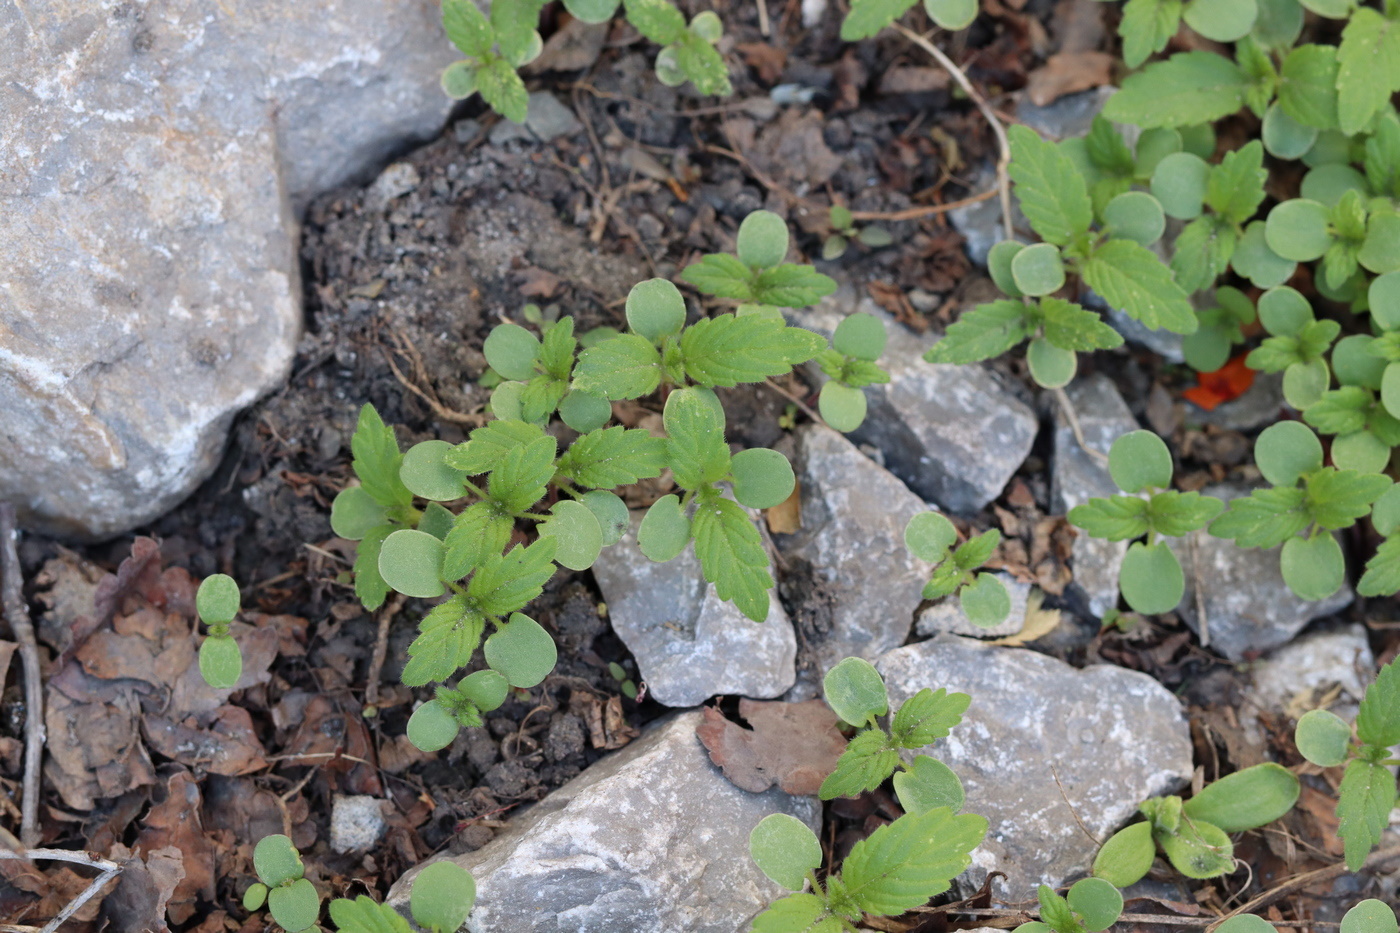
{"x":931,"y":537}
{"x":217,"y":603}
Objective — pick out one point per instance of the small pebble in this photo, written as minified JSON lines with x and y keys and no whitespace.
{"x":357,"y":822}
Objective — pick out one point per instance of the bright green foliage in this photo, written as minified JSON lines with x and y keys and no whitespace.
{"x":843,"y":230}
{"x":930,"y":537}
{"x":900,"y":865}
{"x":217,"y":603}
{"x":441,"y":897}
{"x":1308,"y":499}
{"x":495,"y":46}
{"x":1092,"y":905}
{"x":1368,"y":789}
{"x":291,"y":899}
{"x":1150,"y":578}
{"x":1370,"y":916}
{"x":850,"y":366}
{"x":1193,"y":834}
{"x":868,"y":17}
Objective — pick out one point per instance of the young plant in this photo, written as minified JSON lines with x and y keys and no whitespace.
{"x":856,"y":692}
{"x":1111,"y":260}
{"x":290,"y":897}
{"x":902,"y":864}
{"x":496,"y":46}
{"x":1092,"y":905}
{"x":1150,"y":578}
{"x":850,"y":366}
{"x":1367,"y":793}
{"x":868,"y":17}
{"x":216,"y":602}
{"x":1297,"y":346}
{"x":441,"y":899}
{"x":1194,"y":834}
{"x":1306,"y":504}
{"x":843,"y":230}
{"x":929,"y":536}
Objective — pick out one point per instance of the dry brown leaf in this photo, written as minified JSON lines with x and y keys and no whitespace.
{"x":793,"y":745}
{"x":1068,"y":73}
{"x":174,"y":825}
{"x":763,"y":58}
{"x":785,"y":518}
{"x":1039,"y":623}
{"x":227,"y":745}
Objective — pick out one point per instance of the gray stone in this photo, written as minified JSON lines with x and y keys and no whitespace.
{"x":651,"y":838}
{"x":156,"y":159}
{"x":397,"y":180}
{"x":357,"y":822}
{"x":1260,"y":405}
{"x":954,"y":434}
{"x":689,"y":644}
{"x":1112,"y":737}
{"x":980,"y":223}
{"x":1248,"y":607}
{"x":859,"y":585}
{"x":1070,"y":115}
{"x":1077,"y":476}
{"x":946,"y":615}
{"x":549,"y":119}
{"x":1334,"y":666}
{"x":1164,"y":343}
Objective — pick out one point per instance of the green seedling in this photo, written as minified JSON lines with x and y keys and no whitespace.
{"x":290,"y":898}
{"x":495,"y":46}
{"x":1297,"y":346}
{"x":1150,"y":578}
{"x":868,"y":17}
{"x":1194,"y":834}
{"x":929,"y":536}
{"x":1368,"y":791}
{"x":850,"y":366}
{"x":440,"y":899}
{"x":1091,"y":905}
{"x":217,"y":603}
{"x":626,"y":684}
{"x":844,"y":230}
{"x":1305,"y":505}
{"x":899,"y":866}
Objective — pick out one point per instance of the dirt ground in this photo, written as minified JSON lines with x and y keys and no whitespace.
{"x":403,"y":279}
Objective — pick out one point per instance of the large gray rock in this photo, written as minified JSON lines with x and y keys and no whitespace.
{"x":156,"y":157}
{"x":689,"y":644}
{"x":1076,"y":476}
{"x":1111,"y":736}
{"x":857,"y":586}
{"x":953,"y":434}
{"x":651,"y":838}
{"x":1248,"y":607}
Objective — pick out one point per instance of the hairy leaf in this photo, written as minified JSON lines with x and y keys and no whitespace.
{"x":611,"y":457}
{"x":1187,"y":89}
{"x":1051,"y":189}
{"x":731,"y":555}
{"x":905,"y":863}
{"x":1132,"y":279}
{"x":728,"y":349}
{"x":986,"y":331}
{"x":1364,"y":803}
{"x":621,"y":367}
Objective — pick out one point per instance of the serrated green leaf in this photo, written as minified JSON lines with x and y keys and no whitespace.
{"x":703,"y":65}
{"x":731,"y":555}
{"x":1187,"y":89}
{"x":1364,"y":803}
{"x":977,"y":550}
{"x":1341,"y":411}
{"x":868,"y":17}
{"x":905,"y":863}
{"x":986,"y":331}
{"x":1236,"y":186}
{"x":792,"y":286}
{"x":1382,"y":576}
{"x":658,"y":20}
{"x":1368,"y":71}
{"x":928,"y":716}
{"x":1146,"y":27}
{"x":523,"y":475}
{"x":1132,"y":279}
{"x":1051,"y":190}
{"x":721,"y":275}
{"x":370,"y":588}
{"x":364,"y":915}
{"x":1202,"y":252}
{"x":1072,"y":327}
{"x":621,"y":367}
{"x":502,"y":89}
{"x":867,"y":762}
{"x":695,"y":447}
{"x":467,"y":27}
{"x":489,"y":445}
{"x":377,"y":459}
{"x":1174,"y":513}
{"x":1378,"y":722}
{"x":1337,"y":498}
{"x":477,"y":533}
{"x":728,"y":349}
{"x":797,"y":913}
{"x":1117,"y":518}
{"x":1265,"y":518}
{"x":448,"y":636}
{"x":612,"y":457}
{"x":506,"y":584}
{"x":1307,"y":89}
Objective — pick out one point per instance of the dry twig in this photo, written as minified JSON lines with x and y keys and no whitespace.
{"x":108,"y":868}
{"x":387,"y":612}
{"x":17,"y":613}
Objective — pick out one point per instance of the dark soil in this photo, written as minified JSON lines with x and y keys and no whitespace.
{"x":400,"y":293}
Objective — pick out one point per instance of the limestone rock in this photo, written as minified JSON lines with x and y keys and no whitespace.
{"x":1113,"y":737}
{"x":1076,"y":477}
{"x":953,"y":434}
{"x":855,"y":585}
{"x":650,"y":838}
{"x":156,"y":157}
{"x":357,"y":822}
{"x":689,"y":644}
{"x":946,"y":615}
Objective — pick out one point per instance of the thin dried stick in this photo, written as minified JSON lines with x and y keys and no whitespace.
{"x":108,"y":868}
{"x":1067,"y":407}
{"x":1003,"y":144}
{"x":1302,"y":881}
{"x":763,"y":25}
{"x":926,"y":210}
{"x":1165,"y":919}
{"x":806,"y":409}
{"x":381,"y":648}
{"x":17,"y":612}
